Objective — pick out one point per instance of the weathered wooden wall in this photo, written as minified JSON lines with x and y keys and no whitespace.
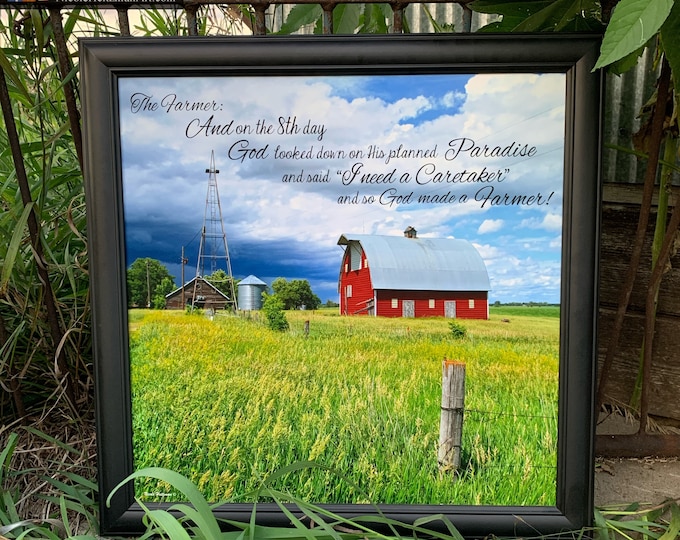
{"x":619,"y":222}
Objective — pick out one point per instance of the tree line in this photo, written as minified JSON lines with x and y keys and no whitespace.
{"x":149,"y":282}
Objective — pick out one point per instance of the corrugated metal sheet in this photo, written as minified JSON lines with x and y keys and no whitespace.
{"x":625,"y":96}
{"x":422,"y":264}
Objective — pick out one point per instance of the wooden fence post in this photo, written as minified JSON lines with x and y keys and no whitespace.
{"x":451,"y":423}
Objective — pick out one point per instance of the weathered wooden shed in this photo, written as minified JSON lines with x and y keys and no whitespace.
{"x":393,"y":276}
{"x":204,"y":294}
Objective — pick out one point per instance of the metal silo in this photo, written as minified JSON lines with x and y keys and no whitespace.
{"x":250,"y":291}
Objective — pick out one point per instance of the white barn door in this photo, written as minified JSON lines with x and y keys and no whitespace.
{"x":408,"y":308}
{"x":450,"y":309}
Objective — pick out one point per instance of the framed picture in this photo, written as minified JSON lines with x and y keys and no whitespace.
{"x":290,"y":236}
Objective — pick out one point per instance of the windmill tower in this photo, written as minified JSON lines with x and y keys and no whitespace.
{"x":213,"y":245}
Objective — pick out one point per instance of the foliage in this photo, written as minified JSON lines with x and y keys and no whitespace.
{"x":66,"y":500}
{"x":165,"y":287}
{"x":146,"y":279}
{"x":658,"y":522}
{"x":272,"y":307}
{"x":458,"y":330}
{"x":541,"y":15}
{"x":634,"y":24}
{"x":75,"y":517}
{"x":44,"y":294}
{"x":222,"y":282}
{"x":347,"y":19}
{"x":295,"y":294}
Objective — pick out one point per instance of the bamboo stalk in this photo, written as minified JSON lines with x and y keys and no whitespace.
{"x":650,"y":310}
{"x":123,"y":21}
{"x":69,"y":92}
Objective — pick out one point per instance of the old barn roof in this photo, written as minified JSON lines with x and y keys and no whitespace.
{"x":421,"y":264}
{"x":189,"y":285}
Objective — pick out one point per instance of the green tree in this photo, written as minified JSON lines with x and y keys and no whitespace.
{"x":272,"y":307}
{"x":165,"y":287}
{"x":295,"y":293}
{"x":224,"y":283}
{"x":147,"y":278}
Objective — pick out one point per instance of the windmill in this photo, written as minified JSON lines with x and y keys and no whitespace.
{"x":213,"y":246}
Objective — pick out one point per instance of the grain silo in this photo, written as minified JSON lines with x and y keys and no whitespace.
{"x":250,"y":291}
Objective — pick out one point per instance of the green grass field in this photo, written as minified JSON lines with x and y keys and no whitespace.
{"x":227,"y":402}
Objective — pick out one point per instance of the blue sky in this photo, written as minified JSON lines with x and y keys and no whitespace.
{"x":267,"y":132}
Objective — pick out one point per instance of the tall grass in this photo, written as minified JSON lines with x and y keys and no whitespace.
{"x":229,"y":401}
{"x":47,"y":267}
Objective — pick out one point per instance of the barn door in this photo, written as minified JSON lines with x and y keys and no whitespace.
{"x":450,"y":309}
{"x":408,"y":308}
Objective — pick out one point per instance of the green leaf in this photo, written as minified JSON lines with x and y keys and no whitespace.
{"x":6,"y":455}
{"x":299,"y":16}
{"x":581,"y":15}
{"x":674,"y":525}
{"x":547,"y":18}
{"x":13,"y":248}
{"x":375,"y":19}
{"x":36,"y":19}
{"x":633,"y":23}
{"x":506,"y":25}
{"x":540,"y":15}
{"x":510,"y":9}
{"x":346,"y":18}
{"x":438,"y":27}
{"x":202,"y":513}
{"x":70,"y":22}
{"x":627,"y":62}
{"x":10,"y":72}
{"x":168,"y":524}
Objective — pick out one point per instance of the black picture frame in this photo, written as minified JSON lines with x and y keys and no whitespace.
{"x":105,"y":61}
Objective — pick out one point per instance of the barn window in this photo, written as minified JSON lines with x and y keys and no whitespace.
{"x":365,"y":263}
{"x":348,"y":291}
{"x":395,"y":303}
{"x":431,"y":303}
{"x":471,"y":303}
{"x":355,"y":256}
{"x":346,"y":267}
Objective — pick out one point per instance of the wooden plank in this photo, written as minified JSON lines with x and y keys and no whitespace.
{"x":629,"y":194}
{"x":451,"y":421}
{"x":619,"y":221}
{"x":617,"y":232}
{"x":665,"y":376}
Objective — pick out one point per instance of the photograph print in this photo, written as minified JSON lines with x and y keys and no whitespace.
{"x":303,"y":255}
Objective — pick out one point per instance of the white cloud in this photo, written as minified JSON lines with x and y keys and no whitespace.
{"x":490,"y":226}
{"x":453,"y":99}
{"x":164,"y":170}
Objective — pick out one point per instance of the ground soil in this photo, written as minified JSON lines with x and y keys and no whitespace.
{"x":646,"y":480}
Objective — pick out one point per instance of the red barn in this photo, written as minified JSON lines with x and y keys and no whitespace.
{"x":394,"y":276}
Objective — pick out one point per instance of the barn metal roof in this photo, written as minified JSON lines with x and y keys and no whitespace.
{"x":422,"y":264}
